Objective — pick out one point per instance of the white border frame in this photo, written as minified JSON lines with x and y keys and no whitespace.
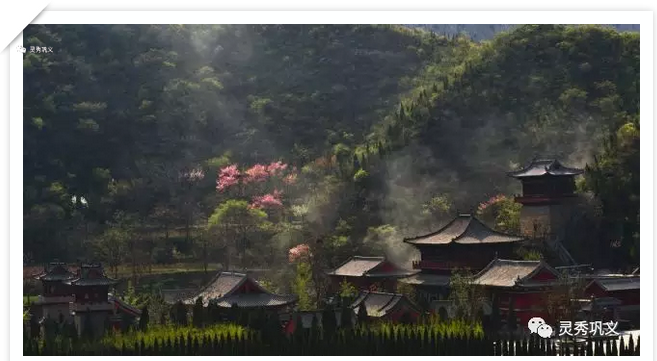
{"x":644,"y":18}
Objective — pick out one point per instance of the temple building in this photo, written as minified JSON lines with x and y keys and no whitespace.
{"x":387,"y":306}
{"x":369,"y":274}
{"x":623,"y":289}
{"x":548,"y":197}
{"x":91,"y":309}
{"x":464,"y":243}
{"x":55,"y":294}
{"x":520,"y":284}
{"x":229,"y":288}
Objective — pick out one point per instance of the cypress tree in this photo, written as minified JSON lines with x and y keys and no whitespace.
{"x":630,"y":346}
{"x":328,"y":322}
{"x":197,"y":313}
{"x":346,"y":317}
{"x":511,"y":324}
{"x":495,"y":320}
{"x":314,"y":329}
{"x":143,"y":319}
{"x":298,"y":328}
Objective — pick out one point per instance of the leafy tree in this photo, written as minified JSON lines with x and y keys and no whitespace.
{"x":347,"y":292}
{"x":614,"y":179}
{"x":465,"y":296}
{"x":234,"y":220}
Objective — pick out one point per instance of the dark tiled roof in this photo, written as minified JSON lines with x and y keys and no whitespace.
{"x":55,"y":271}
{"x":427,"y":279}
{"x":464,"y":229}
{"x":359,"y":266}
{"x":255,"y":300}
{"x":221,"y":290}
{"x":91,"y":275}
{"x":541,"y":167}
{"x":378,"y":304}
{"x":222,"y":285}
{"x":509,"y":273}
{"x":618,"y":284}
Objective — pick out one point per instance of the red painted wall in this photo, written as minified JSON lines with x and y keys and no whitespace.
{"x":544,"y":275}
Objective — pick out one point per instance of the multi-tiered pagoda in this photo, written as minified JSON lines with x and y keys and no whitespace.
{"x":91,"y":308}
{"x":464,"y":243}
{"x":55,"y":293}
{"x":548,"y":196}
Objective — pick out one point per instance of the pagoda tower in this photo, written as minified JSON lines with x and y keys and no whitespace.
{"x":55,"y":293}
{"x":90,"y":307}
{"x":548,"y":197}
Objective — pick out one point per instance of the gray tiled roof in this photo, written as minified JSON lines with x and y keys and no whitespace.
{"x":221,"y":290}
{"x":618,"y":284}
{"x":256,"y":300}
{"x":427,"y":279}
{"x":359,"y":266}
{"x":222,"y":285}
{"x":378,"y":304}
{"x":55,"y":271}
{"x":541,"y":167}
{"x":509,"y":273}
{"x":464,"y":229}
{"x":91,"y":275}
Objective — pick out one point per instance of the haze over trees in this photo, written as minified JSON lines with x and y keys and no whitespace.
{"x":159,"y":143}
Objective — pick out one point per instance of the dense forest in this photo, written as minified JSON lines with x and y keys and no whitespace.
{"x":247,"y":145}
{"x":478,"y":32}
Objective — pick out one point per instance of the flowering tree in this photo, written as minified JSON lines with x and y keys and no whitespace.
{"x":298,"y":252}
{"x":302,"y":284}
{"x":503,"y":212}
{"x":268,"y":201}
{"x":228,"y":177}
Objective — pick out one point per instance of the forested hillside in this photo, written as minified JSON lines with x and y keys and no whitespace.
{"x":479,"y":32}
{"x":236,"y":143}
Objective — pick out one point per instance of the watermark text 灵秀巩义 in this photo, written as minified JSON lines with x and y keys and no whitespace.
{"x":577,"y":329}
